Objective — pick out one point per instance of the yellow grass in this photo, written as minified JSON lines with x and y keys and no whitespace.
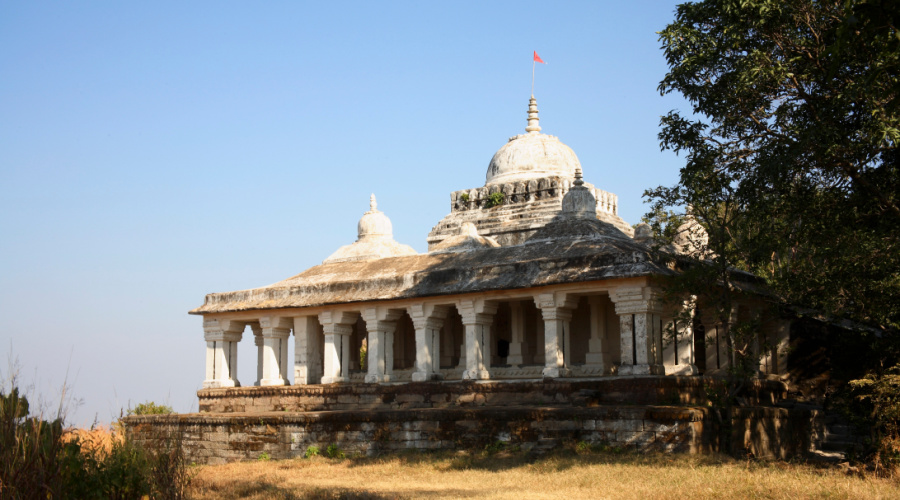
{"x":563,"y":475}
{"x":97,"y":439}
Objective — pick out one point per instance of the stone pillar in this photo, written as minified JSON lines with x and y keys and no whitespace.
{"x":477,"y":317}
{"x":446,"y":347}
{"x":539,"y":357}
{"x":221,"y":336}
{"x":639,"y":310}
{"x":381,"y":324}
{"x":781,"y":339}
{"x":462,"y":353}
{"x":337,"y":327}
{"x":716,"y":348}
{"x":258,"y":342}
{"x":678,"y":334}
{"x":556,"y":310}
{"x":307,"y":351}
{"x":596,"y":344}
{"x":275,"y":334}
{"x":517,"y":326}
{"x":428,"y":321}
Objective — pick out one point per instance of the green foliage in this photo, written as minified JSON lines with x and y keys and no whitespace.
{"x":312,"y":451}
{"x":582,"y":447}
{"x":874,"y":407}
{"x":464,"y":197}
{"x":150,"y":408}
{"x":36,"y":461}
{"x":363,"y":351}
{"x":495,"y":447}
{"x":31,"y":451}
{"x":494,"y":199}
{"x":332,"y":451}
{"x":791,"y":149}
{"x":123,"y":472}
{"x":792,"y":169}
{"x":263,"y":457}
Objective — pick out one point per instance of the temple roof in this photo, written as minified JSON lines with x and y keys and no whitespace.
{"x":542,"y":262}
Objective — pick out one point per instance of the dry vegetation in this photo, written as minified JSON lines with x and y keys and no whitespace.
{"x":95,"y":440}
{"x":562,"y":475}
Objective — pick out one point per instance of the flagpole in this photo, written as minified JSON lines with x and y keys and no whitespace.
{"x":533,"y":62}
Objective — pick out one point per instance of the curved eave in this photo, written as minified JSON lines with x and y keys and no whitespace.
{"x":419,"y":276}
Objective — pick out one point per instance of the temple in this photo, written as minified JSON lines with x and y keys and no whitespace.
{"x":536,"y":318}
{"x":531,"y":276}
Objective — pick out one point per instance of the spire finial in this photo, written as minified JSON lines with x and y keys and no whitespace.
{"x":373,"y":205}
{"x":579,"y":181}
{"x":533,"y":127}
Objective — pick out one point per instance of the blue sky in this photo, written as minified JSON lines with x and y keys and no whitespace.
{"x":152,"y":153}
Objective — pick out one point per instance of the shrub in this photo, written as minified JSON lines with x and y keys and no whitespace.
{"x":494,"y":199}
{"x":38,"y":459}
{"x":150,"y":408}
{"x":312,"y":451}
{"x":874,"y":407}
{"x":31,"y":450}
{"x":332,"y":451}
{"x":263,"y":457}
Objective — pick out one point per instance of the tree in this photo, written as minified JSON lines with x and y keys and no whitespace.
{"x":792,"y":166}
{"x":791,"y":150}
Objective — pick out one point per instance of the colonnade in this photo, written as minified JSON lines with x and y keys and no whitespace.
{"x":625,"y":330}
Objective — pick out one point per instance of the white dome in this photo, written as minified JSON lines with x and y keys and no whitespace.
{"x":375,"y":240}
{"x":374,"y":222}
{"x":532,"y":156}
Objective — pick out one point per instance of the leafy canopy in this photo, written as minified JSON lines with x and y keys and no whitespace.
{"x":792,"y":163}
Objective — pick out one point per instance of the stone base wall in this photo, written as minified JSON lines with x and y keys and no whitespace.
{"x":776,"y":432}
{"x":212,"y":439}
{"x":422,"y":395}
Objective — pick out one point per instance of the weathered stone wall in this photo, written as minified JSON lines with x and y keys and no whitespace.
{"x":775,"y":432}
{"x":218,"y":439}
{"x":208,"y":439}
{"x":417,"y":395}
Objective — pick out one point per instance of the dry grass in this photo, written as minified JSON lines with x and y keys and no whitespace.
{"x":516,"y":476}
{"x":94,"y":440}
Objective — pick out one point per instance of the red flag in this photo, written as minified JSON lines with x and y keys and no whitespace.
{"x":537,"y":58}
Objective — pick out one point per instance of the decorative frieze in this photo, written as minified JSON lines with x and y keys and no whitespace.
{"x":527,"y":191}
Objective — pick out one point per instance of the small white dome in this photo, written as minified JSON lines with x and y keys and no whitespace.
{"x":579,"y":201}
{"x":375,"y":240}
{"x":374,"y":222}
{"x":532,"y":156}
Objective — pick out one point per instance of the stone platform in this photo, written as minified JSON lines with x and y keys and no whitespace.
{"x":663,"y":414}
{"x":653,"y":390}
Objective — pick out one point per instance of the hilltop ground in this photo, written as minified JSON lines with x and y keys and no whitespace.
{"x":566,"y":474}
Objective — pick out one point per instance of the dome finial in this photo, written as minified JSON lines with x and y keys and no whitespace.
{"x":373,"y":205}
{"x":579,"y":181}
{"x":533,"y":127}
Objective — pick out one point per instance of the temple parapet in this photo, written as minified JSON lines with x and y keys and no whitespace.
{"x":524,"y":192}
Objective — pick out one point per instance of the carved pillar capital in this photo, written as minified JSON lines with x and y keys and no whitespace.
{"x":216,"y":330}
{"x":637,"y":299}
{"x":276,"y":327}
{"x":477,"y":312}
{"x":338,"y":322}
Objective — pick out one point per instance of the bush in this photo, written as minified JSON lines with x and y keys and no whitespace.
{"x":312,"y":451}
{"x":494,"y":199}
{"x":38,"y":459}
{"x":874,"y":408}
{"x":332,"y":451}
{"x":32,"y":455}
{"x":150,"y":408}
